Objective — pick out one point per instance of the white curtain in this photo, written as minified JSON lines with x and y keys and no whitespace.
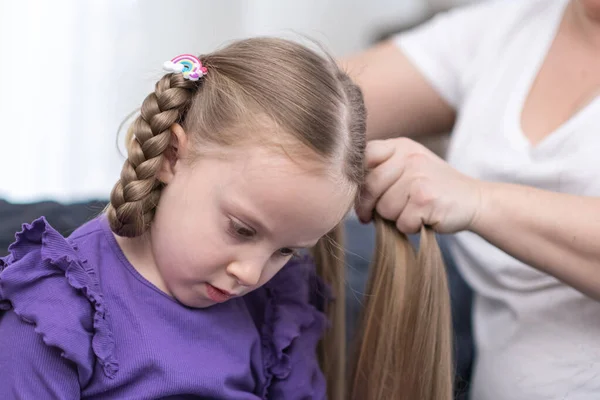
{"x":71,"y":70}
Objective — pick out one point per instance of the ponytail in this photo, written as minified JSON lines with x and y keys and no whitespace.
{"x":403,"y":349}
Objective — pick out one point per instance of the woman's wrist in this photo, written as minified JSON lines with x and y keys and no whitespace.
{"x":485,"y":193}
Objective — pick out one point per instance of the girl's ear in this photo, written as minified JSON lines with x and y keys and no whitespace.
{"x":173,"y":154}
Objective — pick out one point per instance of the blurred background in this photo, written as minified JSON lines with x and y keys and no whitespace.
{"x":72,"y":70}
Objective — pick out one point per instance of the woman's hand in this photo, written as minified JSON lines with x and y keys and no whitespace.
{"x":553,"y":232}
{"x":409,"y":184}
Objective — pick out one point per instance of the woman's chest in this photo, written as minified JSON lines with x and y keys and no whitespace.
{"x":487,"y":147}
{"x":567,"y":81}
{"x":488,"y":141}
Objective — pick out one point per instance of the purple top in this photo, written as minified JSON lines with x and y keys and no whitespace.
{"x":78,"y":321}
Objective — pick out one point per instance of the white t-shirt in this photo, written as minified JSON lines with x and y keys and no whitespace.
{"x":536,"y":338}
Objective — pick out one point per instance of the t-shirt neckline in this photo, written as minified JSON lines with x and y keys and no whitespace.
{"x":545,"y":37}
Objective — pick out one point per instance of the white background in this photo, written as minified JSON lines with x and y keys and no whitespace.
{"x":71,"y":70}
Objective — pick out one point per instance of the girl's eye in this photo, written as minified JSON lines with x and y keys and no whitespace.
{"x":241,"y":230}
{"x":286,"y":252}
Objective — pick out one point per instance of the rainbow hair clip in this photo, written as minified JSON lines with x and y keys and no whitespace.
{"x":188,"y":65}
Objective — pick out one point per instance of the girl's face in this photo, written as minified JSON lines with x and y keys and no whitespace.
{"x":227,"y":223}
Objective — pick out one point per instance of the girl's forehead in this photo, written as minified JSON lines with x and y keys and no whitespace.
{"x":262,"y":141}
{"x":273,"y":160}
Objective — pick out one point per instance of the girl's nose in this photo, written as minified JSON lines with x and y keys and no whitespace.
{"x":247,"y":273}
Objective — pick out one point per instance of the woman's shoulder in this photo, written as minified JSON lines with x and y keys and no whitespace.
{"x":480,"y":13}
{"x":47,"y":283}
{"x":475,"y":27}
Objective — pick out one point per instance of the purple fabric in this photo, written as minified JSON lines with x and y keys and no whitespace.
{"x":78,"y":321}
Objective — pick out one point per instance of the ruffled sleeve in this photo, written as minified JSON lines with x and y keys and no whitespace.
{"x":292,"y":326}
{"x":46,"y":284}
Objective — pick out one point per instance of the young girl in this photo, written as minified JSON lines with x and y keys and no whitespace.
{"x":189,"y":285}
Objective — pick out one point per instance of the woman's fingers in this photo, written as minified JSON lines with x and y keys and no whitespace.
{"x":411,"y":219}
{"x":392,"y":202}
{"x":410,"y":185}
{"x":377,"y":182}
{"x":384,"y":160}
{"x":377,"y":152}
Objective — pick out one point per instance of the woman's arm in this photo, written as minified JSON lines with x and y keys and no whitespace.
{"x":554,"y":232}
{"x":416,"y":81}
{"x":399,"y":100}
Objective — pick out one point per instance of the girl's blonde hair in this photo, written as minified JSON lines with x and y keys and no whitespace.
{"x":404,"y":348}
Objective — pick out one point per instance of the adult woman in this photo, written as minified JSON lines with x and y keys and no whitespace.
{"x":519,"y":81}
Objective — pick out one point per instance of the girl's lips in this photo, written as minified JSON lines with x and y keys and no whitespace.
{"x":217,"y":295}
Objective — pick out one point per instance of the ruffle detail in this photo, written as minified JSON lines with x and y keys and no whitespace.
{"x":295,"y":300}
{"x":47,"y":284}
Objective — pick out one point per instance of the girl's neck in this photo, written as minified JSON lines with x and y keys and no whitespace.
{"x":138,"y":252}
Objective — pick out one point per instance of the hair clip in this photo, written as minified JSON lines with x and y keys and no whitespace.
{"x":190,"y":66}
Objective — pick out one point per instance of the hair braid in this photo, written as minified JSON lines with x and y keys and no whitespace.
{"x":134,"y":197}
